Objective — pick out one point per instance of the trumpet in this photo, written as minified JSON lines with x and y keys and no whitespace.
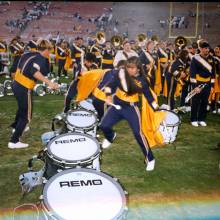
{"x":193,"y":92}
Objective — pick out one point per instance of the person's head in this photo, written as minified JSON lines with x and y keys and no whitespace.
{"x":121,"y":64}
{"x":134,"y":66}
{"x":34,"y":38}
{"x":126,"y":46}
{"x":150,"y":46}
{"x":79,"y":41}
{"x":133,"y":44}
{"x":90,"y":58}
{"x":44,"y":47}
{"x":108,"y":45}
{"x":204,"y":47}
{"x":217,"y":50}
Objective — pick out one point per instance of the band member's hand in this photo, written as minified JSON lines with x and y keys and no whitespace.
{"x":53,"y":85}
{"x":182,"y":75}
{"x":197,"y":90}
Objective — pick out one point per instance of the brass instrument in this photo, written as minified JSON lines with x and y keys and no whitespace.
{"x":193,"y":92}
{"x":116,"y":41}
{"x":155,"y":39}
{"x":141,"y":39}
{"x":100,"y":37}
{"x":180,"y":42}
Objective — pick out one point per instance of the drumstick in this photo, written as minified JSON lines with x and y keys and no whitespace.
{"x":118,"y":107}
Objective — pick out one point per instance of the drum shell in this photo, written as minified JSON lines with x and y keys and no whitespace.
{"x":169,"y":130}
{"x":57,"y":162}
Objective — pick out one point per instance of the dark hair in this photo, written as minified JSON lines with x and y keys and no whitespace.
{"x":132,"y":86}
{"x":90,"y":57}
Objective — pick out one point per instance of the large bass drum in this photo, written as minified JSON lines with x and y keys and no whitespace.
{"x":82,"y":194}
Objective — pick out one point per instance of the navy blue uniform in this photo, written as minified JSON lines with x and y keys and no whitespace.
{"x":130,"y":111}
{"x":177,"y":66}
{"x":22,"y":86}
{"x":201,"y":72}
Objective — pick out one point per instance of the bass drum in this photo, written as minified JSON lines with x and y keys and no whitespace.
{"x":82,"y":194}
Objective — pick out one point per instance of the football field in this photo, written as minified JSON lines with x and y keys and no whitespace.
{"x":184,"y":185}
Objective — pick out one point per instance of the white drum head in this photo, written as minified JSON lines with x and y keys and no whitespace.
{"x":81,"y":118}
{"x":73,"y":148}
{"x":171,"y":119}
{"x":83,"y":194}
{"x":87,"y":104}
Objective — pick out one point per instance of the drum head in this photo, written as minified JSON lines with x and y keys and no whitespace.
{"x":171,"y":119}
{"x":87,"y":104}
{"x":83,"y":194}
{"x":80,"y":118}
{"x":73,"y":148}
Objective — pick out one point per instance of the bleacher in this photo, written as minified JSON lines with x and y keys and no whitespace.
{"x":134,"y":17}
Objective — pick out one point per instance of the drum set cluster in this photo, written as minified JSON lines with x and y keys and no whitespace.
{"x":74,"y":187}
{"x":43,"y":89}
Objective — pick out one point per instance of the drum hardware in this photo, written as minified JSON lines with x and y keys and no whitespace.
{"x":58,"y":123}
{"x":2,"y":90}
{"x":8,"y":87}
{"x":39,"y":90}
{"x":47,"y":136}
{"x":193,"y":92}
{"x":98,"y":193}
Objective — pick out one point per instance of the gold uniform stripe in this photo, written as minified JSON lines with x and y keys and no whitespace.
{"x":127,"y":98}
{"x":202,"y":79}
{"x":23,"y":80}
{"x":99,"y":94}
{"x":105,"y":61}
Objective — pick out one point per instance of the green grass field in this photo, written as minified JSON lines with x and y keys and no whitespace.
{"x":185,"y":172}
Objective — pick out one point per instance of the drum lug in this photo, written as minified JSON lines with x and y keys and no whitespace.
{"x":116,"y":179}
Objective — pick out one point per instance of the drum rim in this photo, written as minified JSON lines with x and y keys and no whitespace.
{"x":172,"y":125}
{"x":72,"y":162}
{"x":71,"y":126}
{"x":46,"y":206}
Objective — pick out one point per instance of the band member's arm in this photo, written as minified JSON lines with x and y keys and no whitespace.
{"x":192,"y":72}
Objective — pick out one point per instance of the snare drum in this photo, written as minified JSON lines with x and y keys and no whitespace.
{"x":83,"y":194}
{"x":82,"y":121}
{"x":87,"y":104}
{"x":169,"y":126}
{"x":71,"y":150}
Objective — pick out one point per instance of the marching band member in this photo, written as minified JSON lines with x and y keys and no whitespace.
{"x":97,"y":50}
{"x":148,"y":62}
{"x":3,"y":51}
{"x":162,"y":64}
{"x":124,"y":54}
{"x":62,"y":53}
{"x":108,"y":54}
{"x":89,"y":63}
{"x":128,"y":83}
{"x":32,"y":44}
{"x":201,"y":72}
{"x":78,"y":51}
{"x":31,"y":67}
{"x":175,"y":75}
{"x":215,"y":92}
{"x":16,"y":48}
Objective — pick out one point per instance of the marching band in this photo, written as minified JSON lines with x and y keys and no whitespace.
{"x":173,"y":70}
